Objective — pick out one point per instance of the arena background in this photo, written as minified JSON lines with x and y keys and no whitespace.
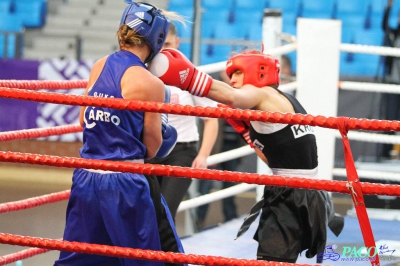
{"x":66,"y":36}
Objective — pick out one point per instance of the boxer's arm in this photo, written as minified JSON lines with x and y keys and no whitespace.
{"x":169,"y":133}
{"x":139,"y":84}
{"x":94,"y":74}
{"x":173,"y":68}
{"x":169,"y":138}
{"x":240,"y":126}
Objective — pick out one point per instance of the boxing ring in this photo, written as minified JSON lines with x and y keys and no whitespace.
{"x":322,"y":115}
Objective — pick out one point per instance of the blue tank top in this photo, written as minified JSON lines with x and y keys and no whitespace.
{"x":111,"y":134}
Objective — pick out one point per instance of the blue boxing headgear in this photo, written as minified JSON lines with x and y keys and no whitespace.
{"x":148,"y":21}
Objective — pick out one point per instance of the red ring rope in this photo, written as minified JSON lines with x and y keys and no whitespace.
{"x":353,"y":187}
{"x":44,"y":84}
{"x":186,"y":172}
{"x":263,"y":116}
{"x":130,"y":253}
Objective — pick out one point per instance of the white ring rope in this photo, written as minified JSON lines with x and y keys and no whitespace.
{"x":284,"y":49}
{"x":214,"y":196}
{"x":291,"y":47}
{"x":223,"y":193}
{"x":369,"y":49}
{"x":212,"y":68}
{"x":371,"y":137}
{"x":288,"y":87}
{"x":369,"y":174}
{"x":370,"y":87}
{"x":353,"y":86}
{"x":220,"y":66}
{"x":229,"y":155}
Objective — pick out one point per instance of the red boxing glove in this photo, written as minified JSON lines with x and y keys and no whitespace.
{"x":174,"y":69}
{"x":240,"y":126}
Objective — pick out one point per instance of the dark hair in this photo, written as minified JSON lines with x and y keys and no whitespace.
{"x":285,"y":60}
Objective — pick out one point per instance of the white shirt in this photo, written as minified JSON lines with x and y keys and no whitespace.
{"x":186,"y":125}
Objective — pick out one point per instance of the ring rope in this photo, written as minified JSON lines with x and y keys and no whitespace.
{"x":39,"y":132}
{"x":284,"y":49}
{"x":21,"y":255}
{"x":187,"y":172}
{"x":369,"y":174}
{"x":224,"y":156}
{"x":254,"y":115}
{"x":372,"y":137}
{"x":60,"y":130}
{"x":288,"y":87}
{"x":81,"y":84}
{"x":353,"y":86}
{"x":214,"y":159}
{"x":130,"y":253}
{"x":64,"y":195}
{"x":44,"y":84}
{"x":230,"y":155}
{"x":369,"y":49}
{"x":344,"y":47}
{"x":369,"y":87}
{"x":214,"y":196}
{"x":219,"y":66}
{"x":34,"y":201}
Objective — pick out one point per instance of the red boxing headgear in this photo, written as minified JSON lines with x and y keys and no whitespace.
{"x":258,"y":69}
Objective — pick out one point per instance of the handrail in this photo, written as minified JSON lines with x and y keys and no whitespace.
{"x":18,"y":44}
{"x":77,"y":38}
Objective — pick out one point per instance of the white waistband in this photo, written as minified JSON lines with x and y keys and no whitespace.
{"x":110,"y":172}
{"x":295,"y":172}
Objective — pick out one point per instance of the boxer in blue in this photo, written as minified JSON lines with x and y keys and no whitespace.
{"x":114,"y":208}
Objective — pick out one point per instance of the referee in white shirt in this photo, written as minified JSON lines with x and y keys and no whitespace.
{"x":187,"y":152}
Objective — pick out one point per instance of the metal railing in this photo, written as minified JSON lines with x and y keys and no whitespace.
{"x":76,"y":42}
{"x":17,"y":48}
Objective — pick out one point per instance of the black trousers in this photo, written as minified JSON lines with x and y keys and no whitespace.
{"x":390,"y":110}
{"x":174,"y":189}
{"x":167,"y":236}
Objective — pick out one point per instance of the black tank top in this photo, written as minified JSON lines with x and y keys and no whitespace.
{"x":290,"y":147}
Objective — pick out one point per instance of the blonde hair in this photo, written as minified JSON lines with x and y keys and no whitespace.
{"x":128,"y":37}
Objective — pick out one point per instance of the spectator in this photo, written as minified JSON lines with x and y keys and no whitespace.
{"x":286,"y":70}
{"x":392,"y":38}
{"x":390,"y":107}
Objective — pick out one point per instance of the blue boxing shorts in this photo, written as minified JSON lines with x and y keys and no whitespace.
{"x":115,"y":209}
